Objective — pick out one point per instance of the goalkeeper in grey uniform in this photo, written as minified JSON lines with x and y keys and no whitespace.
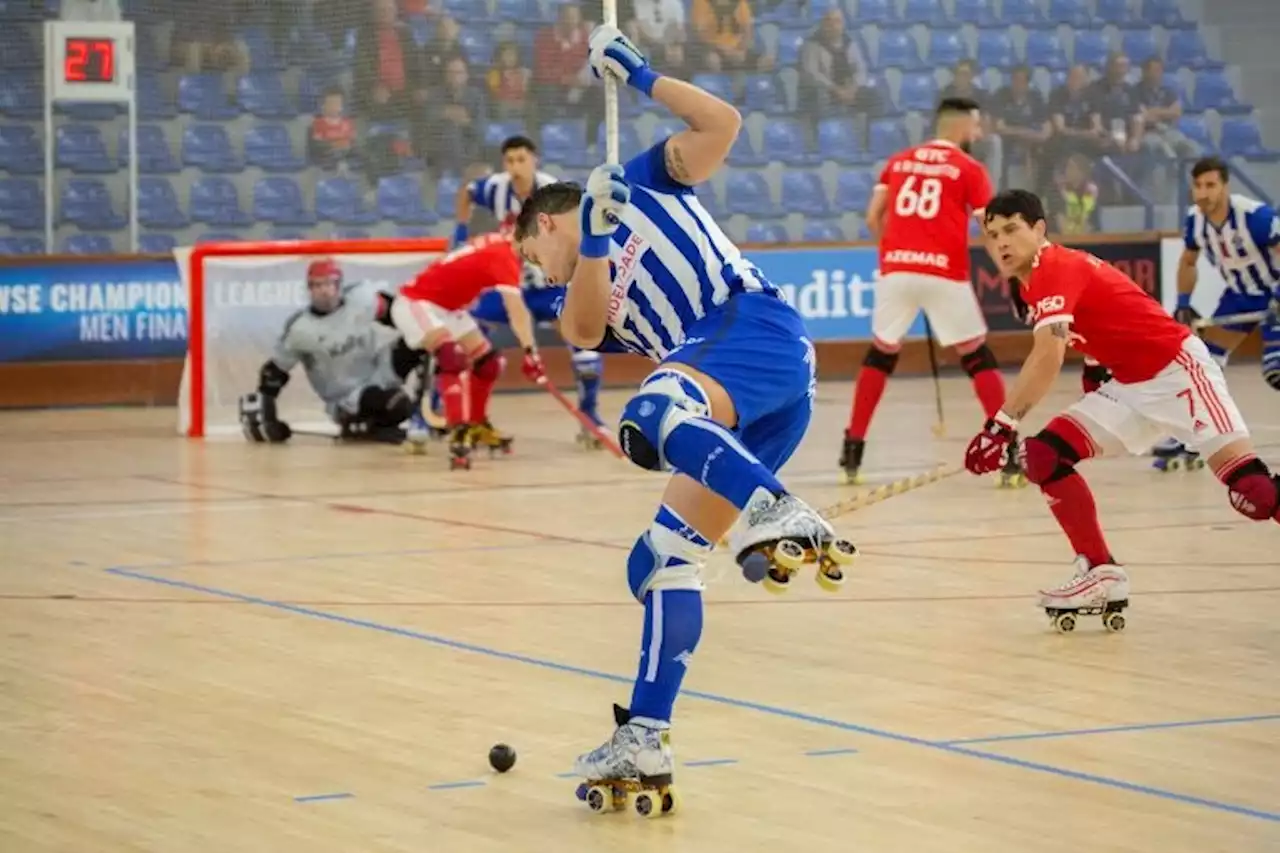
{"x":350,"y":362}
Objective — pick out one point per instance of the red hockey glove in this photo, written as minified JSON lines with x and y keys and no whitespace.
{"x":989,"y":449}
{"x":532,"y":366}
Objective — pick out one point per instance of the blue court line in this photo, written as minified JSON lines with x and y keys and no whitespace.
{"x":319,"y":798}
{"x":1137,"y":727}
{"x":449,"y":786}
{"x":711,"y":762}
{"x":569,"y":775}
{"x":822,"y":753}
{"x":771,"y":710}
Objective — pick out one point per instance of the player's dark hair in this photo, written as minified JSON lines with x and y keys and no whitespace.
{"x":952,"y":106}
{"x":1205,"y":165}
{"x":553,"y":199}
{"x":1011,"y":203}
{"x":513,"y":142}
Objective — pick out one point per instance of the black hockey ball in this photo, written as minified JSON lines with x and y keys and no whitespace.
{"x":502,"y":757}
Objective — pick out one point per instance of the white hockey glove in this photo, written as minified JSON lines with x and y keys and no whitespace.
{"x":606,"y":195}
{"x":613,"y":53}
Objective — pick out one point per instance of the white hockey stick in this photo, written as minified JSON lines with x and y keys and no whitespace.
{"x":1230,"y":320}
{"x":610,"y":93}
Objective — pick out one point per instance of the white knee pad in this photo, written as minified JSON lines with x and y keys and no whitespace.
{"x":663,"y":559}
{"x":665,"y":400}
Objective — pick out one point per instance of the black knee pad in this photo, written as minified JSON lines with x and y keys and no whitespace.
{"x":878,"y":359}
{"x":384,"y":406}
{"x":1047,"y":457}
{"x":979,"y":360}
{"x":405,"y":359}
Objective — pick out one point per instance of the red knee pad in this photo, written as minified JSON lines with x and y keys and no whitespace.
{"x":487,"y":367}
{"x":1040,"y":459}
{"x":1254,"y":492}
{"x":450,"y":359}
{"x":1052,"y":453}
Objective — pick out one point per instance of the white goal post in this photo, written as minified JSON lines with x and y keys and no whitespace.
{"x":239,"y":297}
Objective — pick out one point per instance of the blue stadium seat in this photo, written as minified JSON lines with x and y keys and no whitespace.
{"x":88,"y":244}
{"x":81,"y":148}
{"x":1119,"y":12}
{"x":155,"y":157}
{"x":1091,"y":48}
{"x":819,"y":8}
{"x":215,"y":201}
{"x":1174,"y":82}
{"x":786,"y":11}
{"x":1213,"y":92}
{"x":22,"y":204}
{"x":563,"y":140}
{"x":262,"y":95}
{"x":1044,"y":50}
{"x":87,"y":202}
{"x":1024,"y":12}
{"x":269,"y":147}
{"x":743,"y":154}
{"x":747,"y":193}
{"x":786,"y":140}
{"x":822,"y":231}
{"x":14,"y":11}
{"x":898,"y":49}
{"x":497,"y":131}
{"x":767,"y":232}
{"x":763,"y":93}
{"x":995,"y":50}
{"x":21,"y":245}
{"x":518,"y":11}
{"x":262,"y":53}
{"x":707,"y":196}
{"x":203,"y":96}
{"x":1195,"y":129}
{"x":400,"y":200}
{"x":629,"y":144}
{"x":803,"y":193}
{"x":279,"y":236}
{"x":1164,"y":13}
{"x":156,"y":244}
{"x":853,"y":190}
{"x":1186,"y":49}
{"x":158,"y":205}
{"x":476,"y":44}
{"x":279,"y":201}
{"x":207,"y":147}
{"x":465,"y":10}
{"x":1240,"y":137}
{"x":946,"y":48}
{"x":350,"y":234}
{"x":1139,"y":44}
{"x":341,"y":201}
{"x":414,"y":232}
{"x":1073,"y":13}
{"x":447,"y":191}
{"x":218,"y":237}
{"x":666,"y":127}
{"x":153,"y":103}
{"x":720,"y":85}
{"x":17,"y":49}
{"x":887,"y":138}
{"x":21,"y":95}
{"x":979,"y":13}
{"x":928,"y":12}
{"x":790,"y":41}
{"x":876,"y":12}
{"x":839,"y":140}
{"x":20,"y":150}
{"x":87,"y":111}
{"x":918,"y":92}
{"x":879,"y":84}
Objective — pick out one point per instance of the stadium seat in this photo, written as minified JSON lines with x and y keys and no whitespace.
{"x":887,"y":138}
{"x":707,"y":197}
{"x":1174,"y":82}
{"x":447,"y":191}
{"x":1024,"y":12}
{"x":518,"y":11}
{"x":153,"y":103}
{"x":897,"y":49}
{"x":207,"y":147}
{"x":819,"y":8}
{"x":156,"y":244}
{"x":918,"y":91}
{"x":279,"y":201}
{"x":400,"y":200}
{"x":1213,"y":92}
{"x":22,"y":204}
{"x":20,"y":150}
{"x":414,"y":232}
{"x":666,"y":127}
{"x":87,"y":203}
{"x":1139,"y":44}
{"x":876,"y":12}
{"x":743,"y":154}
{"x":465,"y":10}
{"x":158,"y":205}
{"x":495,"y":132}
{"x":218,"y":237}
{"x":81,"y":148}
{"x":87,"y":111}
{"x":839,"y":140}
{"x":341,"y":201}
{"x":262,"y":52}
{"x":203,"y":96}
{"x":1091,"y":48}
{"x":1194,"y":128}
{"x":629,"y":144}
{"x":1240,"y":137}
{"x":764,"y":93}
{"x":215,"y":201}
{"x":1164,"y":13}
{"x":1073,"y":13}
{"x":476,"y":43}
{"x":790,"y":42}
{"x":88,"y":244}
{"x":979,"y":13}
{"x":767,"y":232}
{"x":155,"y":157}
{"x":720,"y":85}
{"x":17,"y":49}
{"x":21,"y":95}
{"x":1118,"y":12}
{"x":350,"y":234}
{"x":786,"y":140}
{"x":803,"y":193}
{"x":261,"y":94}
{"x":269,"y":147}
{"x":1044,"y":50}
{"x":563,"y":140}
{"x":21,"y":246}
{"x":928,"y":12}
{"x":995,"y":50}
{"x":747,"y":193}
{"x":1186,"y":49}
{"x":822,"y":231}
{"x":946,"y":48}
{"x":784,"y":12}
{"x":853,"y":190}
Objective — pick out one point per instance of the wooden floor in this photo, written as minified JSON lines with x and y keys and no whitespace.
{"x":223,"y":647}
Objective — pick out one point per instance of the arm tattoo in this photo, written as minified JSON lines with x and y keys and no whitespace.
{"x":1020,"y":412}
{"x":1060,"y":330}
{"x":675,"y":163}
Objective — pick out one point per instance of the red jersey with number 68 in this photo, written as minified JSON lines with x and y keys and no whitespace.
{"x":454,"y":281}
{"x":1113,"y":320}
{"x":931,"y":193}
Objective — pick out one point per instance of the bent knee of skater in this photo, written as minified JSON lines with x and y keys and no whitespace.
{"x":666,"y":399}
{"x":972,"y":345}
{"x":1046,"y":457}
{"x":664,"y":559}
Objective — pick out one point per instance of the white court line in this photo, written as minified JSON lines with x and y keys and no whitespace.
{"x":182,"y":509}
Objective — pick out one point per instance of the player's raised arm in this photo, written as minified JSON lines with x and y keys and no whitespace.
{"x":695,"y":154}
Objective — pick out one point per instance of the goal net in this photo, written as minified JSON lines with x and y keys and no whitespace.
{"x":239,"y":297}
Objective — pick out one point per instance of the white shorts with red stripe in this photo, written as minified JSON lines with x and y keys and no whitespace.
{"x":951,"y":307}
{"x":1188,"y":400}
{"x":417,"y":319}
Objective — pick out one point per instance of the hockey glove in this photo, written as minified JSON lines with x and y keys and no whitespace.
{"x":1184,"y":313}
{"x":606,"y":195}
{"x":989,"y":449}
{"x":532,"y":366}
{"x":613,"y":53}
{"x":258,"y":420}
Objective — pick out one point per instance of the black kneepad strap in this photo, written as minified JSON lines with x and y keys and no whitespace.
{"x":878,"y":359}
{"x":1098,"y":374}
{"x":1067,"y":457}
{"x":405,"y":359}
{"x":1253,"y":466}
{"x":979,"y":360}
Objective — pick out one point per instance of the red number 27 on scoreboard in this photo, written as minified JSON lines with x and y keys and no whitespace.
{"x":90,"y":60}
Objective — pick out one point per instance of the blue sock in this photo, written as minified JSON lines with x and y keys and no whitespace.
{"x":587,"y":367}
{"x":672,"y":627}
{"x":709,"y":453}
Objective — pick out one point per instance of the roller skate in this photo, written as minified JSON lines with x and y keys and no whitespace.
{"x":460,"y":448}
{"x":1012,"y":476}
{"x":1173,"y":455}
{"x":587,"y":439}
{"x":782,"y":534}
{"x":636,"y":760}
{"x":1101,"y":590}
{"x":484,"y":434}
{"x":851,"y":460}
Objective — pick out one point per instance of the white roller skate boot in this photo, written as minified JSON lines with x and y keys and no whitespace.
{"x":779,"y":534}
{"x":636,"y":760}
{"x":1092,"y":591}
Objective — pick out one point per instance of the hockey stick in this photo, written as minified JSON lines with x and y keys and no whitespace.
{"x":587,"y":424}
{"x":884,"y":491}
{"x":610,"y":19}
{"x":940,"y":427}
{"x":1229,"y":320}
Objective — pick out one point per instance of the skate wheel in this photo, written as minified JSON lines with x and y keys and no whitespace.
{"x":1195,"y":464}
{"x":1064,"y":623}
{"x":842,"y":552}
{"x":416,"y":447}
{"x":829,"y":576}
{"x":850,"y":478}
{"x":755,"y":567}
{"x":1113,"y":622}
{"x":670,"y":800}
{"x":777,"y":581}
{"x":789,"y":554}
{"x":650,"y":806}
{"x":600,"y":798}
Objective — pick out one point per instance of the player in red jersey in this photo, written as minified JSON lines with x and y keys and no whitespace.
{"x":431,"y":313}
{"x":1164,"y":382}
{"x":920,"y":213}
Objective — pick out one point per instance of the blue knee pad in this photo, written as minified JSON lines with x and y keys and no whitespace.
{"x":1271,"y":351}
{"x":669,"y":555}
{"x":665,"y":400}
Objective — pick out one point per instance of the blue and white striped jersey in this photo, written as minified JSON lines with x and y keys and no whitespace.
{"x":1246,"y":249}
{"x":495,"y":194}
{"x":670,"y":263}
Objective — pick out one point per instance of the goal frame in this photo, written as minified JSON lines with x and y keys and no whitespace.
{"x":196,"y":291}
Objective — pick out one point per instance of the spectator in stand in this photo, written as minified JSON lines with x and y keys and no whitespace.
{"x":1159,"y":109}
{"x":1117,"y":107}
{"x":331,"y":142}
{"x":204,"y":38}
{"x":560,"y":73}
{"x":418,"y":7}
{"x":658,"y":23}
{"x":726,"y":31}
{"x":1073,"y":204}
{"x":457,"y":114}
{"x":1077,"y":124}
{"x":833,"y":78}
{"x":508,"y":82}
{"x":990,"y":148}
{"x":442,"y":47}
{"x":1022,"y":121}
{"x":390,"y":75}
